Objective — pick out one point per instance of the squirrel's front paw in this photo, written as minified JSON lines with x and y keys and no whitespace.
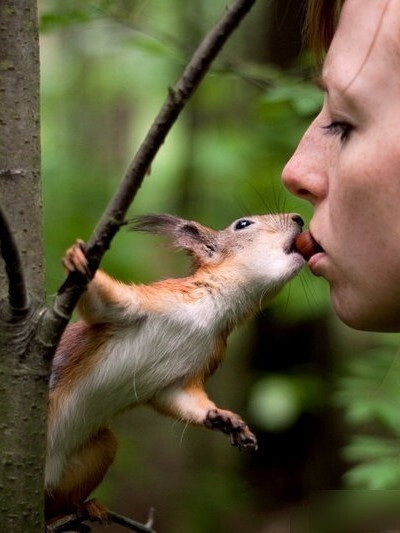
{"x":75,"y":260}
{"x":233,"y":425}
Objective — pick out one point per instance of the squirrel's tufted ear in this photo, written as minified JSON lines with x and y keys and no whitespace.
{"x":197,"y":240}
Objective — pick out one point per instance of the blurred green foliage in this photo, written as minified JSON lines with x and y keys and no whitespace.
{"x":106,"y":69}
{"x":369,"y":393}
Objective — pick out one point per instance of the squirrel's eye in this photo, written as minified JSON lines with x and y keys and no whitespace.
{"x":241,"y":224}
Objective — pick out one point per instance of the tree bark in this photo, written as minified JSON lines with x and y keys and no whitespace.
{"x":23,"y":380}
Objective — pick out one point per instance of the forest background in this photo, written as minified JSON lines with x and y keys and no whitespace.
{"x":323,"y":399}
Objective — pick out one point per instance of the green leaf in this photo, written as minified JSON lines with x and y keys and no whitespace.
{"x":366,"y":448}
{"x":303,"y":98}
{"x":151,"y":45}
{"x":381,"y":474}
{"x":53,"y":20}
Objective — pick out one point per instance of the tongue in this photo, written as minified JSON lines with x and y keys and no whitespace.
{"x":306,"y":245}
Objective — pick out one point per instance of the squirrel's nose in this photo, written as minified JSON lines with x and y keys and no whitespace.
{"x":298,"y":220}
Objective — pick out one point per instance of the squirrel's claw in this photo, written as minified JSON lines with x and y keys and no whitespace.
{"x":233,"y":425}
{"x":75,"y":260}
{"x":244,"y":439}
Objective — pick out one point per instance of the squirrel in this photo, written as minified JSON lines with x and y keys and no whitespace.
{"x":157,"y":344}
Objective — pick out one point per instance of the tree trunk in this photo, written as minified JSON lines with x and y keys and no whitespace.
{"x":23,"y":379}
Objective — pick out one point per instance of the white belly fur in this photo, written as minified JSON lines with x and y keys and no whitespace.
{"x":136,"y":364}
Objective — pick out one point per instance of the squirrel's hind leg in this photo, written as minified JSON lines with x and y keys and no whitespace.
{"x":86,"y":469}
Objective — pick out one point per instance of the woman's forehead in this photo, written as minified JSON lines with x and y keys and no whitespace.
{"x":368,"y":35}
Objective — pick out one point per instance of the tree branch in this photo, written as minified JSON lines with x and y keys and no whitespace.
{"x":56,"y":318}
{"x":74,"y":523}
{"x":17,"y":294}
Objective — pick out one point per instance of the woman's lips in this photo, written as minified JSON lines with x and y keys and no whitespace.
{"x":306,"y":245}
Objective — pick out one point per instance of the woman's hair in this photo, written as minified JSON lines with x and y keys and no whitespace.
{"x":321,"y":21}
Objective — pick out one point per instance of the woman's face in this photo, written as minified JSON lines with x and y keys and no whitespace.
{"x":348,"y":166}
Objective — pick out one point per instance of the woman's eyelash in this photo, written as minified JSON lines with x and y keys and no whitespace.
{"x":342,"y":129}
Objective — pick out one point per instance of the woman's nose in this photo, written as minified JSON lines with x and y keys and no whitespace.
{"x":305,"y":173}
{"x":302,"y":182}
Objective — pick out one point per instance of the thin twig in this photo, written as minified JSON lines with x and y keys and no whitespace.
{"x":17,"y":294}
{"x":132,"y":524}
{"x":56,"y":317}
{"x":74,"y":523}
{"x":66,"y":523}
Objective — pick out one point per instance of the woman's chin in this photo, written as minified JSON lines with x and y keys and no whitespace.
{"x":362,"y":315}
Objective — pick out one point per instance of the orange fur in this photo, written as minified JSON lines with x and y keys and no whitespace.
{"x":159,"y":296}
{"x":174,"y":403}
{"x":216,"y":356}
{"x":86,"y":470}
{"x":79,"y":350}
{"x":105,"y":289}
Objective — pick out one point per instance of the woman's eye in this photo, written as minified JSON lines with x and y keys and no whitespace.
{"x":343,"y":129}
{"x":241,"y":224}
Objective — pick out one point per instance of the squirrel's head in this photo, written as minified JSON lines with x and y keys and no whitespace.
{"x":259,"y":247}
